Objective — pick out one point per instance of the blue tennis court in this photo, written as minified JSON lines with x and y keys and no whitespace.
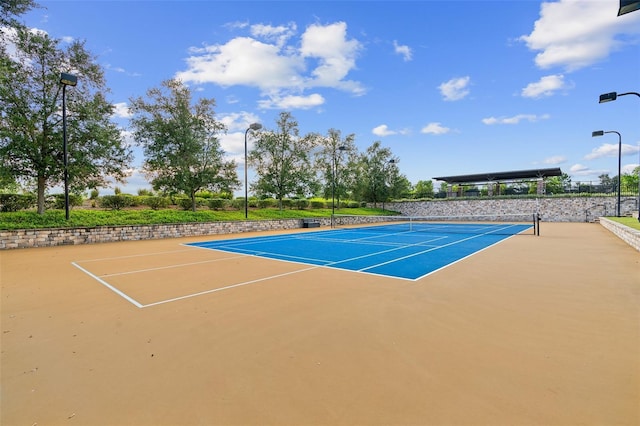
{"x":392,"y":250}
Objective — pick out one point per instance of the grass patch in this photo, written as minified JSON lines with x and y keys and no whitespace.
{"x":631,"y":222}
{"x":93,"y":218}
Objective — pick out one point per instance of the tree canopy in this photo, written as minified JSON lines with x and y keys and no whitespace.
{"x":31,"y":142}
{"x":180,"y":141}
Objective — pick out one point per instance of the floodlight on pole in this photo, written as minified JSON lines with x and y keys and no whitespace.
{"x":601,"y":133}
{"x":628,"y":6}
{"x":612,"y":96}
{"x":66,"y":80}
{"x":253,"y":126}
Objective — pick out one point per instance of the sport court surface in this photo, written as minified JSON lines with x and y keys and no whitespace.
{"x":534,"y":330}
{"x":401,"y":250}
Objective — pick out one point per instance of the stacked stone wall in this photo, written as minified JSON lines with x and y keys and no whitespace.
{"x":577,"y":209}
{"x":569,"y":209}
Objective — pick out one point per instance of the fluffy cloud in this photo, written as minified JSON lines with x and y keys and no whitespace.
{"x":435,"y":129}
{"x":402,"y":50}
{"x":281,"y":66}
{"x":574,"y":34}
{"x":547,"y":86}
{"x":532,"y":118}
{"x":556,"y":159}
{"x":455,"y":89}
{"x":611,"y":150}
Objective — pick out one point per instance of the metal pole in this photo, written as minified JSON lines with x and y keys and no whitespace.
{"x":246,"y":190}
{"x":619,"y":169}
{"x":64,"y":148}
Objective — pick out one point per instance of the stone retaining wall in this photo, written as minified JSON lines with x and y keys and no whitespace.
{"x":102,"y":234}
{"x":629,"y":235}
{"x":551,"y":209}
{"x":569,"y":209}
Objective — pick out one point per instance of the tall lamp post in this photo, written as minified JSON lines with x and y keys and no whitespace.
{"x":601,"y":133}
{"x":384,"y":182}
{"x":66,"y":80}
{"x":253,"y":126}
{"x":612,"y":96}
{"x":334,"y":172}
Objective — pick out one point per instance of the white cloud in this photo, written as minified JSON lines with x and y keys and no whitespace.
{"x":383,"y":130}
{"x":403,"y":50}
{"x":574,"y":34}
{"x":547,"y":86}
{"x":336,"y":56}
{"x":611,"y":150}
{"x":516,"y":119}
{"x":455,"y":89}
{"x":556,"y":159}
{"x":121,"y":110}
{"x":281,"y":66}
{"x":292,"y":102}
{"x":435,"y":129}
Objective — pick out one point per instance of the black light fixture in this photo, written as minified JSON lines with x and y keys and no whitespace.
{"x":601,"y":133}
{"x":627,"y":6}
{"x":253,"y":126}
{"x":66,"y":80}
{"x":612,"y":96}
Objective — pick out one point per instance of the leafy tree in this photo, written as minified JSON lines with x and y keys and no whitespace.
{"x":11,"y":9}
{"x":180,"y":142}
{"x":31,"y":144}
{"x":629,"y":181}
{"x":377,"y":172}
{"x":423,"y":189}
{"x":283,"y":162}
{"x":330,"y":160}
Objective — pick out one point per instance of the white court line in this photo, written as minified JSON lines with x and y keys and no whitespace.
{"x":175,"y":299}
{"x":129,"y":256}
{"x":140,"y":305}
{"x":109,"y":286}
{"x":436,"y":248}
{"x":179,"y":265}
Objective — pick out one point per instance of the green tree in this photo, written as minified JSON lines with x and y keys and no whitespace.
{"x":11,"y":9}
{"x":180,"y":142}
{"x":423,"y":189}
{"x":282,"y":159}
{"x":377,"y":172}
{"x":629,"y":181}
{"x":31,"y":145}
{"x":330,"y":160}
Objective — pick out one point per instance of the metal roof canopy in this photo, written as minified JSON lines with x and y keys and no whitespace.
{"x":502,"y":176}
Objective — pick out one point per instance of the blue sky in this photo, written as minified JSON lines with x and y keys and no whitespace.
{"x":451,"y":87}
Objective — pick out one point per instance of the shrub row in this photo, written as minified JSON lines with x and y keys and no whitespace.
{"x":16,"y":202}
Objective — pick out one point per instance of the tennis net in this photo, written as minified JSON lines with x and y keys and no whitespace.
{"x":507,"y":224}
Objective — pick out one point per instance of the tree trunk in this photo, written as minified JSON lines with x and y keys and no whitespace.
{"x":41,"y":189}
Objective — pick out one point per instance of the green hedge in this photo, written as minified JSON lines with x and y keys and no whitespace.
{"x":16,"y":202}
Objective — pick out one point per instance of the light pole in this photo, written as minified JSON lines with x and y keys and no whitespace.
{"x":253,"y":126}
{"x":612,"y":96}
{"x":601,"y":133}
{"x":384,"y":181}
{"x":334,"y":173}
{"x":66,"y":80}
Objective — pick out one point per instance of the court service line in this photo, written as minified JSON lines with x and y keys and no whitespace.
{"x":179,"y":265}
{"x":109,"y":286}
{"x":188,"y":296}
{"x":131,"y":255}
{"x":427,"y":251}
